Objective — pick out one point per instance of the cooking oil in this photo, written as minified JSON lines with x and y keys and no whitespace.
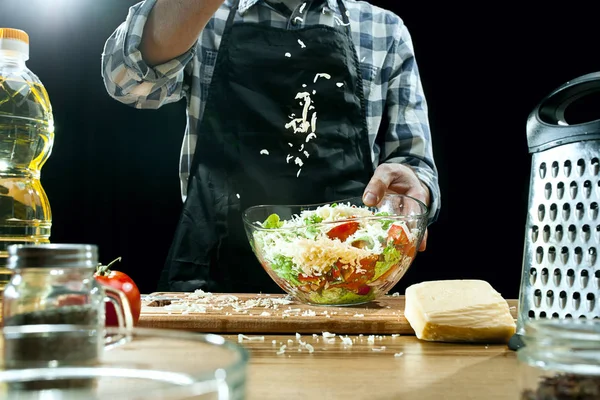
{"x":26,"y":139}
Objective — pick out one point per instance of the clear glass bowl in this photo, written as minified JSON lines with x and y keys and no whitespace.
{"x":148,"y":364}
{"x":322,"y":260}
{"x":560,"y":360}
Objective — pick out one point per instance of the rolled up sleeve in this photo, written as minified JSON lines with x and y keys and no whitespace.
{"x":408,"y":138}
{"x":128,"y":78}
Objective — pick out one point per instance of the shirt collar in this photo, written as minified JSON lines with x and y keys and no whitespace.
{"x":245,"y":5}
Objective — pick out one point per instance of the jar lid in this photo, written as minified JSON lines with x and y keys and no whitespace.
{"x":52,"y":256}
{"x":15,"y":41}
{"x":556,"y":331}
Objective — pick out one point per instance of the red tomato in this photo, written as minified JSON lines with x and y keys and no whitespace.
{"x":398,"y":235}
{"x":120,"y":281}
{"x":343,"y":231}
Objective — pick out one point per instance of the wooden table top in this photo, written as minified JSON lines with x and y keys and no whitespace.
{"x":400,"y":367}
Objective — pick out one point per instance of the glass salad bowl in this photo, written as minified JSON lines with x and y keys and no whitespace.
{"x":339,"y":253}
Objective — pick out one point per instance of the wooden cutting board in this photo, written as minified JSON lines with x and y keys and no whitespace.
{"x":254,"y":313}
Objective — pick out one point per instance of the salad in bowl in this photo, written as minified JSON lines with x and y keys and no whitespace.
{"x":340,"y":253}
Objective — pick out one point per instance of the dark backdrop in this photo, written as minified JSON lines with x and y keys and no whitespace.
{"x":112,"y":177}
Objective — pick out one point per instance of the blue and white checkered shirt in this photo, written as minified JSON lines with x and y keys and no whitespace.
{"x":387,"y":61}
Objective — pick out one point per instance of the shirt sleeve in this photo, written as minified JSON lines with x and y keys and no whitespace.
{"x":408,"y":138}
{"x":128,"y":78}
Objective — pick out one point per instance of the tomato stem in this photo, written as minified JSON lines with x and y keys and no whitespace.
{"x":104,"y":270}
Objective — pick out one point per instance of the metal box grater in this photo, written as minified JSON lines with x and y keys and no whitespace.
{"x":561,"y":272}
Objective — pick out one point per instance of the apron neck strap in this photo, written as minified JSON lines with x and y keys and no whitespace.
{"x":341,"y":6}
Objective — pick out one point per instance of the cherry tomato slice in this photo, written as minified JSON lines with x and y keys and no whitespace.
{"x":343,"y":231}
{"x":398,"y":235}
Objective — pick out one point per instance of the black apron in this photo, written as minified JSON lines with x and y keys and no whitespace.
{"x":256,"y":145}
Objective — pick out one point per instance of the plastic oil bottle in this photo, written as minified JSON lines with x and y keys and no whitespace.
{"x":26,"y":139}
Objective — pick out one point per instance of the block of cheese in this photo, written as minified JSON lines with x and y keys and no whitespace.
{"x":458,"y":311}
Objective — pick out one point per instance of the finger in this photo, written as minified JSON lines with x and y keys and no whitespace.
{"x":379,"y":183}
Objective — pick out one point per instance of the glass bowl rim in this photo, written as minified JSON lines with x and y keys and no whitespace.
{"x":211,"y":339}
{"x":422,"y":215}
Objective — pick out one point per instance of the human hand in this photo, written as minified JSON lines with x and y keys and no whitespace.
{"x":397,"y":178}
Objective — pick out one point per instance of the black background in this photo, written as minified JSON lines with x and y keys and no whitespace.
{"x":112,"y":178}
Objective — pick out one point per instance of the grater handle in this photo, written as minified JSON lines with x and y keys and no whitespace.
{"x":546,"y":126}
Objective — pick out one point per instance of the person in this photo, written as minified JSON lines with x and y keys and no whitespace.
{"x":288,"y":102}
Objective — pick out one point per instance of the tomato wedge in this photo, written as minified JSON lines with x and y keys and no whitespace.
{"x":398,"y":235}
{"x":343,"y":231}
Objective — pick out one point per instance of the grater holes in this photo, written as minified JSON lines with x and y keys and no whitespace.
{"x":587,"y":189}
{"x":592,"y":255}
{"x":572,"y":232}
{"x":543,"y":314}
{"x":539,"y":254}
{"x":570,"y":277}
{"x":567,"y":168}
{"x":531,"y":314}
{"x":544,"y":276}
{"x":597,"y":276}
{"x":567,"y":316}
{"x":584,"y":278}
{"x":548,"y":190}
{"x":541,"y":212}
{"x":555,"y":315}
{"x":554,"y":170}
{"x":566,"y":211}
{"x":597,"y":234}
{"x":595,"y":165}
{"x":564,"y":255}
{"x":579,"y":210}
{"x":582,"y":316}
{"x":562,"y":299}
{"x":534,"y":233}
{"x":546,"y":234}
{"x":537,"y":298}
{"x":576,"y":300}
{"x":532,"y":276}
{"x":553,"y":211}
{"x":558,"y":233}
{"x":578,"y":254}
{"x":551,"y":254}
{"x":560,"y":190}
{"x":557,"y":277}
{"x":591,"y":301}
{"x":586,"y":233}
{"x":573,"y":190}
{"x":593,"y":210}
{"x":542,"y":170}
{"x":580,"y":166}
{"x":549,"y":298}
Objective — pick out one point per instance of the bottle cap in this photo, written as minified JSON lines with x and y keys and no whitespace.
{"x":15,"y":41}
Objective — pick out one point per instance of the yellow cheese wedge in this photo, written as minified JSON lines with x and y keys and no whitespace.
{"x":458,"y":311}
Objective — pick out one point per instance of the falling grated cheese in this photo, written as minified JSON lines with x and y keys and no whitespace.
{"x":301,"y":44}
{"x":288,"y":158}
{"x":299,"y":19}
{"x":288,"y":55}
{"x":321,"y":75}
{"x":340,"y":84}
{"x":298,"y":161}
{"x":306,"y":154}
{"x":328,"y":335}
{"x":302,"y":8}
{"x":310,"y":136}
{"x":298,"y":336}
{"x":347,"y":341}
{"x":264,"y":151}
{"x":310,"y":348}
{"x":398,"y":354}
{"x":237,"y":195}
{"x":298,"y":174}
{"x":281,"y":350}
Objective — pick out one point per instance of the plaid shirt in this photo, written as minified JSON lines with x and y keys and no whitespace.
{"x":387,"y":61}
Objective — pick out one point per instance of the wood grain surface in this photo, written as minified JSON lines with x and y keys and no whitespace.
{"x":384,"y":316}
{"x":401,"y":367}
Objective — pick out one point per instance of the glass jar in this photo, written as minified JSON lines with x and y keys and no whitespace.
{"x":54,"y":284}
{"x":560,"y":360}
